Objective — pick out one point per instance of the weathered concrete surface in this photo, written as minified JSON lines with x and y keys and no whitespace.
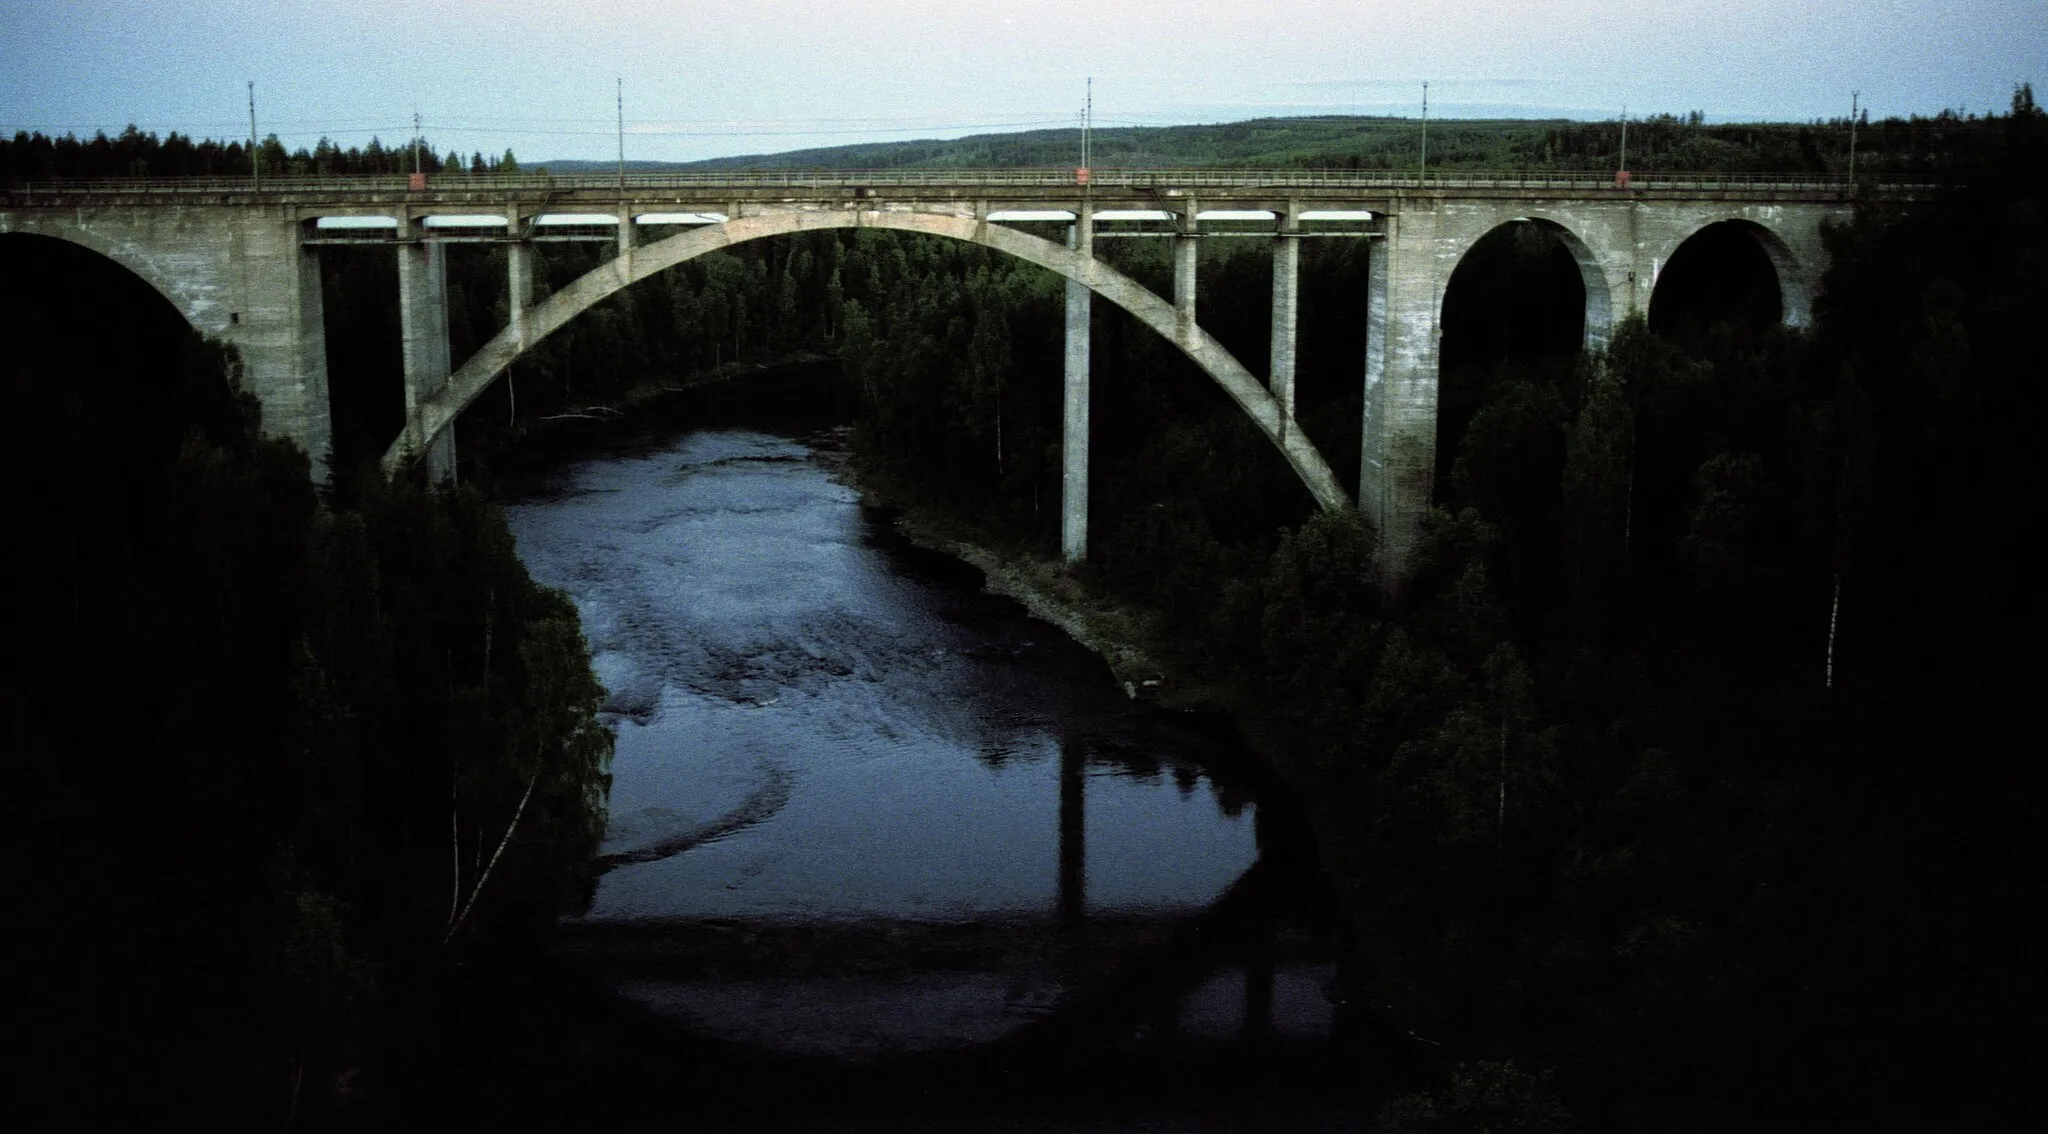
{"x":234,"y":264}
{"x":237,"y":273}
{"x":1185,"y":245}
{"x":1286,"y":315}
{"x":423,"y":330}
{"x":438,"y":411}
{"x":1620,"y":244}
{"x":518,"y":278}
{"x":1074,"y":401}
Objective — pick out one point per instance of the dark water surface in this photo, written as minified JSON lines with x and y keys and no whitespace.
{"x":862,"y":811}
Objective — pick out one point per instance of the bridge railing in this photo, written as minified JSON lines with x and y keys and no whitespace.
{"x":1061,"y":178}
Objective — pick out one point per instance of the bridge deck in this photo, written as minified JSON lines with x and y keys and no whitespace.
{"x":1009,"y":186}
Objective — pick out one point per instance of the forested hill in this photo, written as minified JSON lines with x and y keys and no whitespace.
{"x":1658,"y":142}
{"x":1916,"y":146}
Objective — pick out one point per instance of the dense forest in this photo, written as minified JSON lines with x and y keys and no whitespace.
{"x":1674,"y":789}
{"x":1682,"y":764}
{"x":1911,"y":147}
{"x":29,"y":157}
{"x":277,"y":760}
{"x":1678,"y":768}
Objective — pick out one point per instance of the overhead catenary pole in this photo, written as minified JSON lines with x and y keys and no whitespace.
{"x":1854,"y":98}
{"x":621,"y":84}
{"x":1087,"y":123}
{"x":255,"y":155}
{"x":1624,"y":137}
{"x":415,"y":141}
{"x":1425,"y":130}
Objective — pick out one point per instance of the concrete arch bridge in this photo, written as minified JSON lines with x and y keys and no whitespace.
{"x":240,"y":261}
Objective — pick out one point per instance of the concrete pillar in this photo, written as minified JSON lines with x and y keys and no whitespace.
{"x":519,"y":277}
{"x":1073,"y":886}
{"x":315,"y":427}
{"x":1286,"y":313}
{"x":627,"y":239}
{"x":1397,"y":465}
{"x":1074,"y":432}
{"x":269,"y":305}
{"x":1184,"y":270}
{"x":423,"y":327}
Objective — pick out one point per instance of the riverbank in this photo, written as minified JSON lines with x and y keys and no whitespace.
{"x":1139,"y":650}
{"x":1123,"y":636}
{"x":808,"y":392}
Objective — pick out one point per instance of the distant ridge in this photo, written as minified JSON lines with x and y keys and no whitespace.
{"x":1658,"y":142}
{"x":1256,"y":142}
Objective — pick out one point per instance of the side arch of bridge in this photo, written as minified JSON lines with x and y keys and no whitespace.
{"x":437,"y":411}
{"x":1599,"y":310}
{"x":1797,"y":279}
{"x":199,"y":308}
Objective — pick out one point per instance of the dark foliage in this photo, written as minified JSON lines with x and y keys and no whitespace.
{"x":31,"y":157}
{"x":250,"y":734}
{"x":1684,"y":762}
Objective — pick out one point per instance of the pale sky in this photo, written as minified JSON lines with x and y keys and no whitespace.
{"x":750,"y":76}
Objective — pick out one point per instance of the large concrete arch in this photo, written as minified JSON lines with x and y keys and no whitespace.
{"x":437,"y":411}
{"x":1599,"y":314}
{"x":1795,"y":279}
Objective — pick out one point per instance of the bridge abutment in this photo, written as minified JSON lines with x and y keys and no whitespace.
{"x":239,"y":274}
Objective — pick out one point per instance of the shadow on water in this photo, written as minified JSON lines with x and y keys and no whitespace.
{"x":551,"y":1044}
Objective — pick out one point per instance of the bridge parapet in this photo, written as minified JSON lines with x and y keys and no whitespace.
{"x":1103,"y":185}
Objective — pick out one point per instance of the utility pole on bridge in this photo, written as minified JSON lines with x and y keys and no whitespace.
{"x":1424,"y":172}
{"x":1854,"y":97}
{"x":255,"y":155}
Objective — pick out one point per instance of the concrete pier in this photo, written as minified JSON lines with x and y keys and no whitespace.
{"x":628,"y":238}
{"x":518,"y":280}
{"x":1074,"y":417}
{"x":1286,"y":313}
{"x":1184,"y":244}
{"x":1397,"y":467}
{"x":423,"y":329}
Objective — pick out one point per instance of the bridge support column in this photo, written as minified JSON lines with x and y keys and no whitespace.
{"x":518,"y":277}
{"x":1286,"y":313}
{"x":1398,"y":461}
{"x":1074,"y":430}
{"x":519,"y":288}
{"x":279,"y":326}
{"x":423,"y":327}
{"x":1184,"y":271}
{"x":627,"y":239}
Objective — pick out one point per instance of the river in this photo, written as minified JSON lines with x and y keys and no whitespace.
{"x":862,"y":811}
